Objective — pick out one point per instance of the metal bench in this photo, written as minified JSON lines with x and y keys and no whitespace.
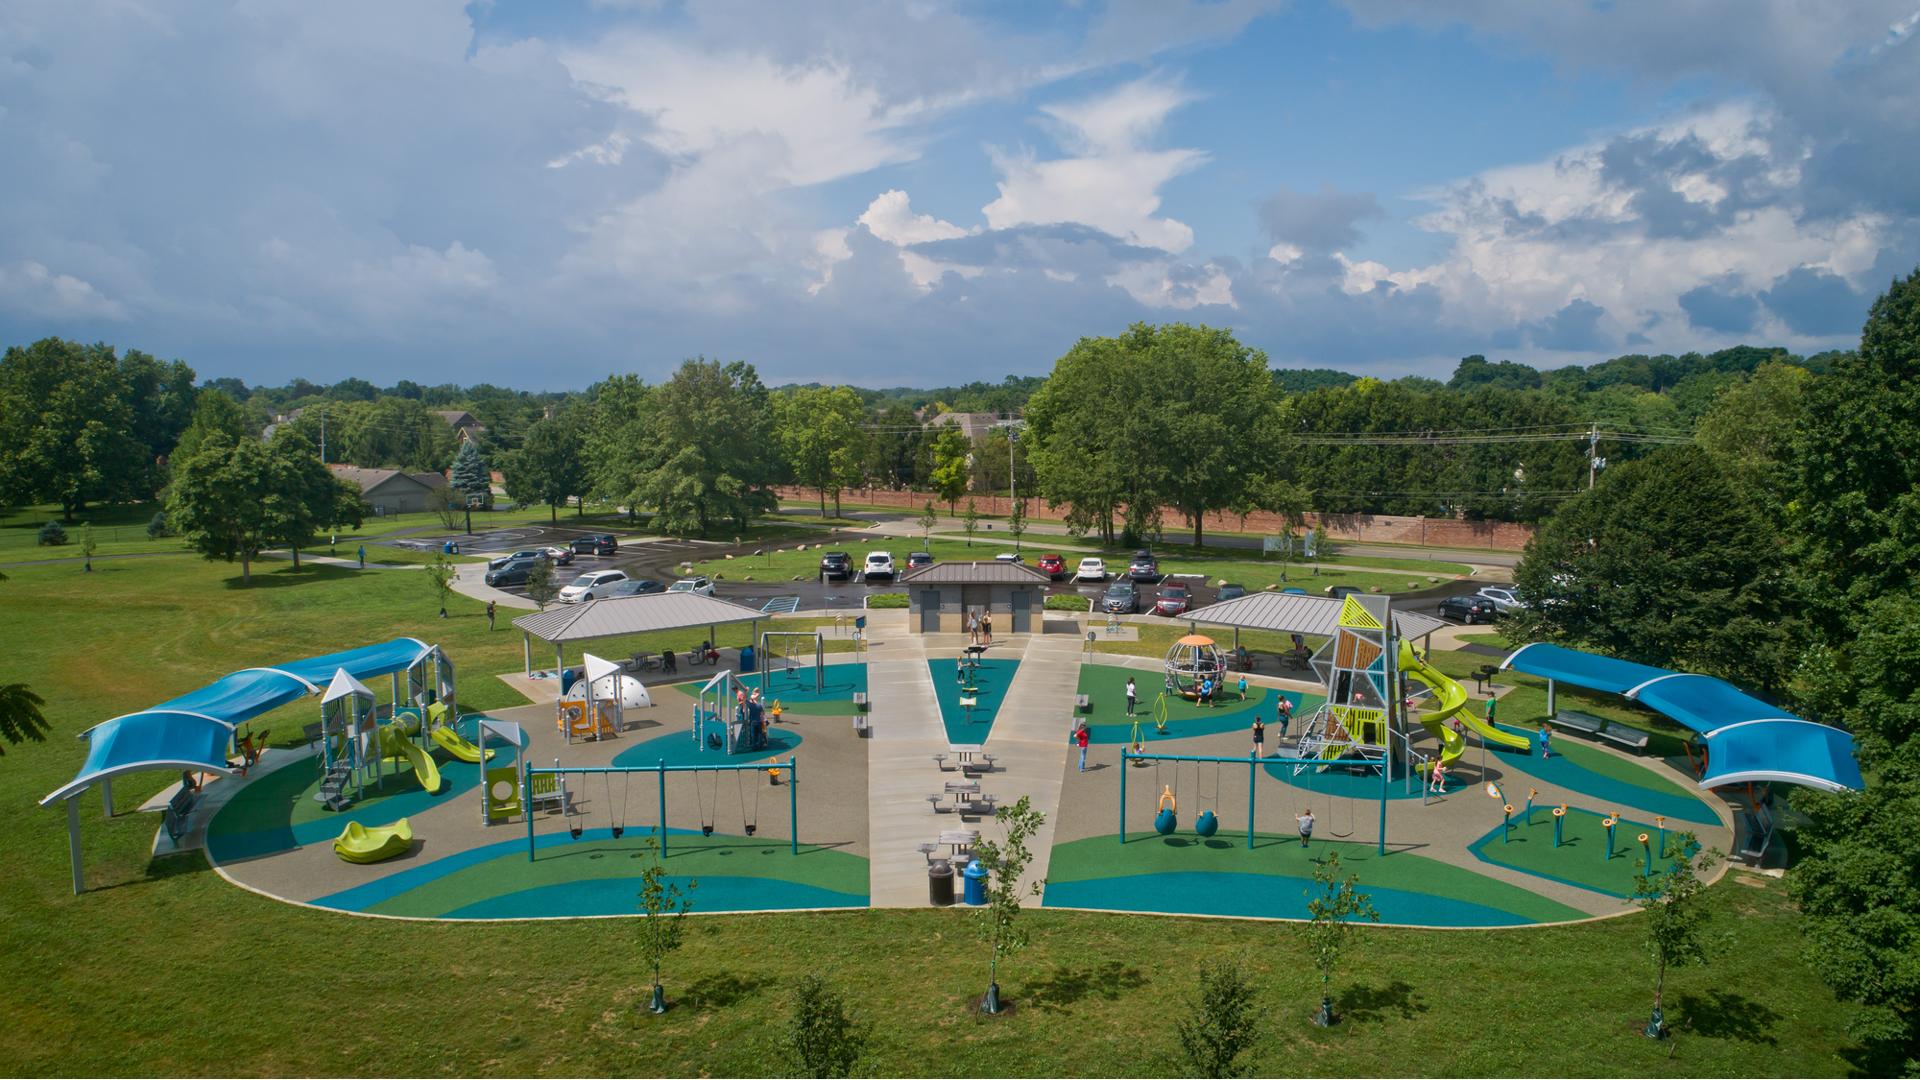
{"x":862,"y":727}
{"x":1483,"y":675}
{"x":1620,"y":734}
{"x":1578,"y":721}
{"x":175,"y":818}
{"x":860,"y":700}
{"x":1081,"y":702}
{"x":983,"y":806}
{"x":960,"y":839}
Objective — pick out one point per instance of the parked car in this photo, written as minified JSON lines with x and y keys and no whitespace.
{"x":1091,"y":569}
{"x":1232,"y":592}
{"x":1295,"y":590}
{"x":1121,"y":597}
{"x":879,"y":565}
{"x":1469,"y":609}
{"x":1173,"y":600}
{"x":591,"y":585}
{"x":699,"y":586}
{"x":1339,"y":592}
{"x":1009,"y":556}
{"x":532,"y":553}
{"x":836,"y":566}
{"x":918,"y":559}
{"x":1503,"y":599}
{"x":636,"y":587}
{"x":594,"y":544}
{"x":560,"y":556}
{"x":1144,"y":568}
{"x":512,"y":571}
{"x":1053,"y":566}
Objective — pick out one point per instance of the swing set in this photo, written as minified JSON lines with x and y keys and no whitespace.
{"x":785,"y":650}
{"x":621,"y":778}
{"x":1166,"y":818}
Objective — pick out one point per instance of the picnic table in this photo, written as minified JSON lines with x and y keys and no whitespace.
{"x":972,"y":758}
{"x":957,"y":839}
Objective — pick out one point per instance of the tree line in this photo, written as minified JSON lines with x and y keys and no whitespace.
{"x":1781,"y":550}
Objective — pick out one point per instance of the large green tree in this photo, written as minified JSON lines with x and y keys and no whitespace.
{"x":951,"y":451}
{"x":550,"y":466}
{"x":709,"y":457}
{"x":221,"y":501}
{"x":1855,"y":510}
{"x":67,"y":427}
{"x":214,"y":413}
{"x":1749,"y":431}
{"x":1097,"y":444}
{"x":302,"y":497}
{"x":821,"y":435}
{"x":1663,"y":563}
{"x":470,"y":475}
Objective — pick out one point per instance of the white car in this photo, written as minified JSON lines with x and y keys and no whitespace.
{"x":590,"y":586}
{"x":879,"y":565}
{"x":1091,"y":570}
{"x":1503,"y":599}
{"x":697,"y":585}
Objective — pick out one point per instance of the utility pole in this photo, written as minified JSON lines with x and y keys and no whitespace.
{"x":323,"y":434}
{"x":1013,"y":482}
{"x":1593,"y":454}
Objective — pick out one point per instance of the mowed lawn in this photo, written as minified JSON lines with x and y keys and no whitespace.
{"x":165,"y":969}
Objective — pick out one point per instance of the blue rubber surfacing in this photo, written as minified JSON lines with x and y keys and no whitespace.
{"x":991,"y":678}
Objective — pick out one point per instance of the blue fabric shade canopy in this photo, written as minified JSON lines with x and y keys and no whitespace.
{"x":1748,"y":740}
{"x":193,"y":730}
{"x":1789,"y":751}
{"x":1576,"y":668}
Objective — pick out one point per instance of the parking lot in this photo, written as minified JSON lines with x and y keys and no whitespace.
{"x":659,"y":558}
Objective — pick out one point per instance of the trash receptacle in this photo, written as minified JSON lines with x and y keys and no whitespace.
{"x":976,"y":886}
{"x":446,"y":548}
{"x":746,"y":658}
{"x":940,"y":883}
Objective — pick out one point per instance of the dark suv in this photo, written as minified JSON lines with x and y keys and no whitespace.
{"x":597,"y":544}
{"x":1121,"y":598}
{"x":1469,"y":609}
{"x":1144,"y":568}
{"x":513,"y":572}
{"x":836,"y":566}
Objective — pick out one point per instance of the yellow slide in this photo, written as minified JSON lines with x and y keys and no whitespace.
{"x":359,"y":844}
{"x":1452,"y":699}
{"x":450,"y":741}
{"x":392,"y":742}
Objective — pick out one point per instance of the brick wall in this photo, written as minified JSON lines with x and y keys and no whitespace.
{"x":1373,"y":528}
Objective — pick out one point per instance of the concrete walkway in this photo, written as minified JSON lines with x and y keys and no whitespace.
{"x":901,"y":773}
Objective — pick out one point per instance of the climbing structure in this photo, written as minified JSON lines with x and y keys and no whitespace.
{"x":1357,"y":666}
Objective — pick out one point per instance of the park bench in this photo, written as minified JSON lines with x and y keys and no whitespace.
{"x":960,"y":839}
{"x":1483,"y":675}
{"x":860,"y":700}
{"x":1624,"y":735}
{"x":1082,"y":702}
{"x":862,"y":727}
{"x":175,"y":818}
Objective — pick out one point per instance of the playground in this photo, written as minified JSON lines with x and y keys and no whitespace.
{"x":1505,"y":836}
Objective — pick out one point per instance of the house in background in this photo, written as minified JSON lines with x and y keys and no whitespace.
{"x":395,"y":491}
{"x":463,"y":424}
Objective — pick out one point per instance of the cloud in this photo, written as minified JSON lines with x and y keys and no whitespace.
{"x":1722,"y":311}
{"x":1112,"y":182}
{"x":30,"y":288}
{"x":1816,"y":303}
{"x":1324,"y":220}
{"x":1574,"y":328}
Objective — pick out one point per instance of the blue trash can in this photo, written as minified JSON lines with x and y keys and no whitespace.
{"x":976,"y":887}
{"x":746,"y":658}
{"x":446,"y":548}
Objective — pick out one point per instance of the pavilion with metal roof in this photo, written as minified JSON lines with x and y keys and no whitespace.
{"x":622,"y":616}
{"x":1297,"y":613}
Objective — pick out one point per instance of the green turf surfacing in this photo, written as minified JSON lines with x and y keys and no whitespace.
{"x":986,"y":683}
{"x":1610,"y":780}
{"x":277,"y":811}
{"x":1580,"y":860}
{"x":599,"y":875}
{"x":1107,"y":720}
{"x":1183,"y":874}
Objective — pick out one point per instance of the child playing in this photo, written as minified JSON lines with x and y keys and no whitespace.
{"x":1546,"y":734}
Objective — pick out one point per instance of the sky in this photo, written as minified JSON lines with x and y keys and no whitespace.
{"x":538,"y":193}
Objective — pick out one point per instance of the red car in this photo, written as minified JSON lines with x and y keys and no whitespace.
{"x":1174,"y":600}
{"x":1053,"y":566}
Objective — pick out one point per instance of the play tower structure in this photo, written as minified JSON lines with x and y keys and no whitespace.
{"x":1367,"y":720}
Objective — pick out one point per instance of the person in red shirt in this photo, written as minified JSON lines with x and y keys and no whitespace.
{"x":1080,"y":737}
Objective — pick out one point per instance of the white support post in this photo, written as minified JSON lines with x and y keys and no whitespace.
{"x":1552,"y":708}
{"x":73,"y":842}
{"x":106,"y":795}
{"x":526,"y":649}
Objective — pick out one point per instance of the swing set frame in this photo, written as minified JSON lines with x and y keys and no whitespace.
{"x":819,"y":656}
{"x":1128,"y":757}
{"x":660,"y":771}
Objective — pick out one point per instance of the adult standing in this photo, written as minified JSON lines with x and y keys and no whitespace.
{"x":1285,"y":714}
{"x":1259,"y":736}
{"x":491,"y":611}
{"x":1304,"y":819}
{"x":986,"y":628}
{"x":1081,"y":736}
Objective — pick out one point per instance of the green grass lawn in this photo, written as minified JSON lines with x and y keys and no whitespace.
{"x":164,"y":968}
